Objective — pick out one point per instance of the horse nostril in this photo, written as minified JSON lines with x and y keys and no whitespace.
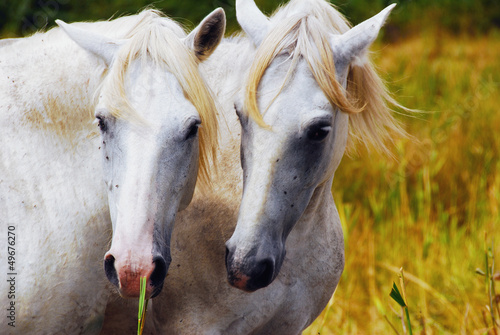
{"x":109,"y":269}
{"x":158,"y":275}
{"x":263,"y":275}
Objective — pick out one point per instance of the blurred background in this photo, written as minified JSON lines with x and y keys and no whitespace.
{"x":24,"y":17}
{"x":433,"y":210}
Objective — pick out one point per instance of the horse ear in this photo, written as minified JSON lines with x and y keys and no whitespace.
{"x":255,"y":24}
{"x":205,"y":38}
{"x":353,"y":44}
{"x":101,"y":46}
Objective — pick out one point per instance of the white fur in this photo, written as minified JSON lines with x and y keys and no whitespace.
{"x":351,"y":47}
{"x":50,"y":185}
{"x":51,"y":180}
{"x":254,"y":23}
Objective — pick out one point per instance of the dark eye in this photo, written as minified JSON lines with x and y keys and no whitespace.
{"x":102,"y":123}
{"x":318,"y":133}
{"x":193,"y":130}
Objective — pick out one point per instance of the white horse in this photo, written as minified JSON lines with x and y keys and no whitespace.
{"x":138,"y":78}
{"x":310,"y":77}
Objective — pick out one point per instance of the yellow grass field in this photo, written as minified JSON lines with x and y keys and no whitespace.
{"x":435,"y":209}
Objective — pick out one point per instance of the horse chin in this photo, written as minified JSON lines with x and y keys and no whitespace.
{"x":151,"y":292}
{"x":156,"y":291}
{"x":127,"y":294}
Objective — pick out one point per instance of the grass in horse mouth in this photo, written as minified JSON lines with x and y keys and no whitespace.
{"x":143,"y":305}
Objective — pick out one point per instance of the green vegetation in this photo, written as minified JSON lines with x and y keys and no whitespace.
{"x":400,"y":298}
{"x":24,"y":17}
{"x":143,"y":306}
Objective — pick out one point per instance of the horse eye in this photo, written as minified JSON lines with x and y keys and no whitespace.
{"x":193,"y":130}
{"x":102,"y":124}
{"x":318,"y":133}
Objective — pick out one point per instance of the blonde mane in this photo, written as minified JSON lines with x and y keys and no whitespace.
{"x":157,"y":38}
{"x":302,"y":29}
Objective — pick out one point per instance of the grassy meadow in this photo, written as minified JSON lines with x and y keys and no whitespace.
{"x":433,"y":209}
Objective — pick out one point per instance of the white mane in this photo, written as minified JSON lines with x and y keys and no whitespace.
{"x":159,"y":39}
{"x":302,"y":28}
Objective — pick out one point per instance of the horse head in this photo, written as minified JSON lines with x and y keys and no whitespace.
{"x":158,"y":131}
{"x":294,"y":118}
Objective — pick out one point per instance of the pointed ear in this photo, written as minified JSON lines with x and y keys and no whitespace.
{"x":205,"y":38}
{"x":353,"y":44}
{"x":251,"y":19}
{"x":101,"y":46}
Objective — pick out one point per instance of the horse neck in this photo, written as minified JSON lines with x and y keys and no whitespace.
{"x":225,"y":72}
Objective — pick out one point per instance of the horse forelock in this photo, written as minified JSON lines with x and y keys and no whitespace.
{"x":302,"y":29}
{"x":158,"y":39}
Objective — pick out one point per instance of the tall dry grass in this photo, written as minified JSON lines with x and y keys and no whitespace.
{"x":429,"y":211}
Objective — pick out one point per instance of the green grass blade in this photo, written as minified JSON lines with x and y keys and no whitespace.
{"x":143,"y":305}
{"x":408,"y":320}
{"x":396,"y":295}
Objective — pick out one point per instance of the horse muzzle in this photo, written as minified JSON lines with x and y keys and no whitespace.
{"x":126,"y":275}
{"x":250,"y":273}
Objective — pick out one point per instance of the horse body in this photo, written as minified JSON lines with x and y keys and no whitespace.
{"x":51,"y":176}
{"x":48,"y":185}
